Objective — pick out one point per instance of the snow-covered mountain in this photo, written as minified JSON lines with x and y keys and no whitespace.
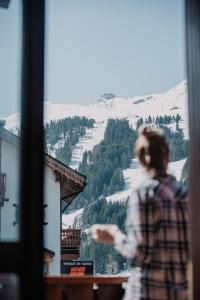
{"x":172,"y":102}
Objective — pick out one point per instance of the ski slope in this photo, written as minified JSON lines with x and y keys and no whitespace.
{"x":68,"y":220}
{"x":92,"y":137}
{"x":135,"y":175}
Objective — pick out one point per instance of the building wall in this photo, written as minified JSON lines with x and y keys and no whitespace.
{"x":52,"y":216}
{"x":10,"y":166}
{"x":9,"y":155}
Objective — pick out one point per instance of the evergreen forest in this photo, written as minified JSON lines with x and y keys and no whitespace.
{"x":62,"y":135}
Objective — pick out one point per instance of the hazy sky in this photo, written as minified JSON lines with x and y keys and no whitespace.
{"x":127,"y":47}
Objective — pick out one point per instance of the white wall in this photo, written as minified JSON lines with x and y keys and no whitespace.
{"x":52,"y":216}
{"x":9,"y":232}
{"x":10,"y":166}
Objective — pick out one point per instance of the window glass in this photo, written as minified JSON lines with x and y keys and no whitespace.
{"x":110,"y":67}
{"x":10,"y":99}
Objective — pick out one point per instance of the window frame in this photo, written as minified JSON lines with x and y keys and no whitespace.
{"x":25,"y":257}
{"x":192,"y":14}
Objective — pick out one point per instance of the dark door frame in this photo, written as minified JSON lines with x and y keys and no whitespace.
{"x":32,"y":149}
{"x":192,"y":8}
{"x":25,"y":258}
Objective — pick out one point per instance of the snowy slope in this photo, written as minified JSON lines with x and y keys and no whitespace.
{"x":176,"y":167}
{"x":68,"y":220}
{"x":172,"y":102}
{"x":92,"y":137}
{"x":13,"y":122}
{"x":135,"y":174}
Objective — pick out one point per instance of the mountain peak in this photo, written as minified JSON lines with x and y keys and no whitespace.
{"x":107,"y":96}
{"x":111,"y":106}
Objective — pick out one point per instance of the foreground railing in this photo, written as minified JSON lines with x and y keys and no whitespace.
{"x":84,"y":288}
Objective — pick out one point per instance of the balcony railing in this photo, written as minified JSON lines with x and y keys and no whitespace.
{"x":71,"y":238}
{"x":84,"y":287}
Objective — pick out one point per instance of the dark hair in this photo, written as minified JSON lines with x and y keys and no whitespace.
{"x":152,"y":149}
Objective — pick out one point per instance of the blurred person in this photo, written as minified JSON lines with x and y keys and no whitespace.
{"x":157,"y":240}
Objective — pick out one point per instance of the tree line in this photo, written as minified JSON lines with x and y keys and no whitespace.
{"x":159,"y":120}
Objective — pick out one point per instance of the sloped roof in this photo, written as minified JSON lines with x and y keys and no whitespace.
{"x":71,"y":181}
{"x":50,"y":252}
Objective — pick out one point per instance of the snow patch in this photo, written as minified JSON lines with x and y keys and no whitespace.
{"x":92,"y":137}
{"x":135,"y":175}
{"x":68,"y":220}
{"x":176,"y":168}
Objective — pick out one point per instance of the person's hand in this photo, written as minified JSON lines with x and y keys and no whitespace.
{"x":104,"y":233}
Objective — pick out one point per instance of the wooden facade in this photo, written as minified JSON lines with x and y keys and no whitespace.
{"x":70,"y":244}
{"x":71,"y":238}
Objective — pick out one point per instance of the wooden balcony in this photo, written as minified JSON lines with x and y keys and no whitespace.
{"x":84,"y":287}
{"x":71,"y":238}
{"x":70,"y":245}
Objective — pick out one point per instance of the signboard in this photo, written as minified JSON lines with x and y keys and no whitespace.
{"x":77,"y":267}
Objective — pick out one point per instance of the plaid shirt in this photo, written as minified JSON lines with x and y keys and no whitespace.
{"x":157,"y":241}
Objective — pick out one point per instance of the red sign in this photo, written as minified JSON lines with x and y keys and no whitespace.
{"x":77,"y":267}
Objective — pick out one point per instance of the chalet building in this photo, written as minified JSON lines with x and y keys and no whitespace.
{"x":62,"y":185}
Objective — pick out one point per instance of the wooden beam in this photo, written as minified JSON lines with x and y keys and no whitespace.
{"x":69,"y":173}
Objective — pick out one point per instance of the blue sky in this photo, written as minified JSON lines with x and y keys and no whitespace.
{"x":127,"y":47}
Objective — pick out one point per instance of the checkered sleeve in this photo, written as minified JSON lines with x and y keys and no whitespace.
{"x":139,"y":242}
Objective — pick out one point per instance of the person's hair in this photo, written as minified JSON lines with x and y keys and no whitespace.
{"x":152,"y":149}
